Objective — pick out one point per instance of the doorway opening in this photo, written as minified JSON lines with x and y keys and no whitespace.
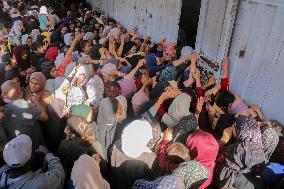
{"x":188,"y":25}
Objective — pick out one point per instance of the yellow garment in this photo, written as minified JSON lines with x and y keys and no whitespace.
{"x":46,"y":34}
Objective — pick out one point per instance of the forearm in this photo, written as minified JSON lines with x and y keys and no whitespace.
{"x":179,"y":61}
{"x":120,"y":49}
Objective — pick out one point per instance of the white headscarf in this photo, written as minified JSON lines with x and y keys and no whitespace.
{"x":43,"y":10}
{"x":135,"y":138}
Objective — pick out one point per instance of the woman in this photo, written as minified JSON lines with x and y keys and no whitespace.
{"x":15,"y":35}
{"x":204,"y":149}
{"x":21,"y":57}
{"x":111,"y":112}
{"x":270,"y":140}
{"x":131,"y":158}
{"x":244,"y":157}
{"x":43,"y":19}
{"x":36,"y":86}
{"x":79,"y":138}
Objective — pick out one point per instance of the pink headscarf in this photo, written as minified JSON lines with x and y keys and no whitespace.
{"x":106,"y":31}
{"x":51,"y":54}
{"x":128,"y":87}
{"x":126,"y":37}
{"x":138,"y":100}
{"x":39,"y":77}
{"x":204,"y":149}
{"x":169,"y":47}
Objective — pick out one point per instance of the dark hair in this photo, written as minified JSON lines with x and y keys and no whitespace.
{"x":46,"y":67}
{"x":83,"y":44}
{"x":225,"y":98}
{"x":278,"y":154}
{"x":35,"y":46}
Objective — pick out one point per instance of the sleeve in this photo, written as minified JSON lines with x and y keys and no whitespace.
{"x":199,"y":92}
{"x":64,"y":64}
{"x":224,"y":84}
{"x":54,"y":175}
{"x":162,"y":158}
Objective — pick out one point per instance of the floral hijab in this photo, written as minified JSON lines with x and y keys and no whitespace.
{"x":14,"y":36}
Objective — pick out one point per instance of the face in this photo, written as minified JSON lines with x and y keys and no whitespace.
{"x":64,"y":30}
{"x":88,"y":48}
{"x":40,"y":50}
{"x":71,"y":39}
{"x":72,"y":27}
{"x":133,"y":50}
{"x":119,"y":111}
{"x":29,"y":41}
{"x":24,"y":55}
{"x":4,"y":40}
{"x":21,"y":27}
{"x":53,"y":72}
{"x":34,"y":85}
{"x":77,"y":31}
{"x":45,"y":45}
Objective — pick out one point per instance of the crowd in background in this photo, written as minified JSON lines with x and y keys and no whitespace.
{"x":87,"y":104}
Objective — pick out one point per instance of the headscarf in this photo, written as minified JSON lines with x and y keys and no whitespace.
{"x":177,"y":110}
{"x":11,"y":74}
{"x":25,"y":38}
{"x":270,"y":140}
{"x":89,"y":36}
{"x":95,"y":91}
{"x":203,"y":148}
{"x":40,"y":78}
{"x":14,"y":36}
{"x":138,"y":100}
{"x":106,"y":69}
{"x":133,"y":143}
{"x":106,"y":31}
{"x":43,"y":10}
{"x":168,"y":74}
{"x":115,"y":32}
{"x":128,"y":87}
{"x":187,"y":125}
{"x":67,"y":37}
{"x":123,"y":103}
{"x":186,"y":51}
{"x":245,"y":153}
{"x":165,"y":182}
{"x":59,"y":60}
{"x":112,"y":89}
{"x":75,"y":96}
{"x":86,"y":174}
{"x":51,"y":54}
{"x":62,"y":86}
{"x":81,"y":110}
{"x":192,"y":172}
{"x":81,"y":128}
{"x":34,"y":34}
{"x":83,"y":73}
{"x":106,"y":122}
{"x":18,"y":50}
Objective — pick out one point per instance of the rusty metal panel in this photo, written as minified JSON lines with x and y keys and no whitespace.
{"x":257,"y":56}
{"x":156,"y":18}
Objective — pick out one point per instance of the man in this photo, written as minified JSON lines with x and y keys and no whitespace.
{"x":17,"y":171}
{"x":5,"y":18}
{"x":37,"y":55}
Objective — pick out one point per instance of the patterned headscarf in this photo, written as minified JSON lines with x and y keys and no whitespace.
{"x":74,"y":97}
{"x":168,"y":74}
{"x":14,"y":36}
{"x":165,"y":182}
{"x":192,"y":173}
{"x":106,"y":69}
{"x":187,"y":125}
{"x":34,"y":34}
{"x":95,"y":91}
{"x":83,"y":74}
{"x":270,"y":140}
{"x":245,"y":153}
{"x":128,"y":87}
{"x":112,"y":89}
{"x":39,"y":77}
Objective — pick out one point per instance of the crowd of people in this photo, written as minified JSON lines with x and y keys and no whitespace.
{"x":87,"y":104}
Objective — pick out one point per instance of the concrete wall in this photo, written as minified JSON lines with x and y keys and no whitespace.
{"x":154,"y":17}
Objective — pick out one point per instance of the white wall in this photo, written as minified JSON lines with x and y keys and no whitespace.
{"x":258,"y":77}
{"x":153,"y":17}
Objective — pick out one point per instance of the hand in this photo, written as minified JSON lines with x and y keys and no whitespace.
{"x":141,"y":63}
{"x":148,"y":82}
{"x":168,"y":134}
{"x":194,"y":57}
{"x":211,"y":79}
{"x":162,"y":40}
{"x":34,"y":99}
{"x":42,"y":149}
{"x":97,"y":158}
{"x":79,"y":37}
{"x":199,"y":105}
{"x":228,"y":133}
{"x":169,"y":93}
{"x":196,"y":75}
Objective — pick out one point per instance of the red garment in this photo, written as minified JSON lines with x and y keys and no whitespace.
{"x":64,"y":64}
{"x":138,"y":83}
{"x":224,"y":84}
{"x":163,"y":162}
{"x":51,"y":54}
{"x":204,"y":149}
{"x":199,"y":92}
